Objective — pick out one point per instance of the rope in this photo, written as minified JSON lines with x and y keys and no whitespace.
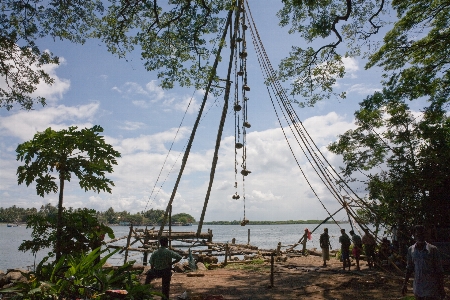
{"x":315,"y":157}
{"x":170,"y":149}
{"x":265,"y":65}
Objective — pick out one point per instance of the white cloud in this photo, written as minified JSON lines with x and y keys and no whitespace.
{"x":363,"y":89}
{"x":156,"y":90}
{"x":53,"y":92}
{"x":25,"y":124}
{"x":152,"y":93}
{"x":115,"y":88}
{"x":129,"y":125}
{"x":351,"y":65}
{"x":141,"y":103}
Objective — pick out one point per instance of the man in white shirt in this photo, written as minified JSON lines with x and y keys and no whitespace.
{"x":425,"y":261}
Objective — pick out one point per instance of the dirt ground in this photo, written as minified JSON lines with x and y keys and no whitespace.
{"x":296,"y":278}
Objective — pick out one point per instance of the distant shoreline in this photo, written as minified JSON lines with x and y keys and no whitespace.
{"x":289,"y":222}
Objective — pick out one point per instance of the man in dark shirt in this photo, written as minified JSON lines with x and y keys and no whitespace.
{"x":344,"y":239}
{"x":161,"y":263}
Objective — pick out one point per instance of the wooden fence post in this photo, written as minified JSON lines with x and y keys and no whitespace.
{"x":226,"y":254}
{"x":271,"y":268}
{"x":128,"y":243}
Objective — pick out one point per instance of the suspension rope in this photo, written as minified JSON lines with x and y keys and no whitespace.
{"x":170,"y":149}
{"x":265,"y":64}
{"x":315,"y":157}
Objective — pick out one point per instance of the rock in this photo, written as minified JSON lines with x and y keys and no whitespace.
{"x":8,"y":285}
{"x":3,"y":280}
{"x":137,"y":267}
{"x":146,"y":269}
{"x":201,"y":266}
{"x":15,"y":276}
{"x":107,"y":266}
{"x":207,"y":259}
{"x":179,"y":268}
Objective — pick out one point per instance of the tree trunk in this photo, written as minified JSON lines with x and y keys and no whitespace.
{"x":59,"y":220}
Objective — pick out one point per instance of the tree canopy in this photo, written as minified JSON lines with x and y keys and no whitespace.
{"x":405,"y":157}
{"x":176,"y":38}
{"x":413,"y":53}
{"x":81,"y":152}
{"x":22,"y":24}
{"x":402,"y":152}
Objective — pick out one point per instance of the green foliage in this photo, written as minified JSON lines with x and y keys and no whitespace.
{"x":15,"y":214}
{"x":413,"y":152}
{"x":183,"y":218}
{"x":80,"y":277}
{"x":347,"y":27}
{"x":82,"y":232}
{"x":82,"y":152}
{"x":413,"y":54}
{"x":22,"y":24}
{"x":154,"y":216}
{"x":176,"y":38}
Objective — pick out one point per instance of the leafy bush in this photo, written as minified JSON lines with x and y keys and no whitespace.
{"x":82,"y":232}
{"x":80,"y":277}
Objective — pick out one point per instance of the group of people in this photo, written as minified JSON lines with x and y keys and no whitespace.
{"x":423,"y":259}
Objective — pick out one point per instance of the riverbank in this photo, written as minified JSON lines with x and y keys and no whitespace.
{"x":296,"y":278}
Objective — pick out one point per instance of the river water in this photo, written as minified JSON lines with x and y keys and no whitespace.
{"x":262,"y":236}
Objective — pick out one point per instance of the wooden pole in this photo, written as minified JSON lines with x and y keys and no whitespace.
{"x":194,"y":129}
{"x":210,"y":235}
{"x":226,"y":254}
{"x":279,"y":249}
{"x":144,"y":260}
{"x":224,"y":113}
{"x":128,"y":243}
{"x":170,"y":226}
{"x":271,"y":268}
{"x":248,"y":237}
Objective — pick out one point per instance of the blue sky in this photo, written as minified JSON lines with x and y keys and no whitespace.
{"x":140,"y":120}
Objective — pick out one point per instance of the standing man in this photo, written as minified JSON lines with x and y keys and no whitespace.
{"x":325,"y":245}
{"x":306,"y":236}
{"x":369,"y":247}
{"x":161,"y":265}
{"x":424,"y":260}
{"x":344,"y":239}
{"x":357,"y":247}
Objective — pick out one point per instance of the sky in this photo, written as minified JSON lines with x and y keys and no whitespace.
{"x":141,"y":120}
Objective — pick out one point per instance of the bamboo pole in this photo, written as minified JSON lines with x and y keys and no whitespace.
{"x":128,"y":243}
{"x":271,"y":269}
{"x":226,"y":255}
{"x":197,"y":121}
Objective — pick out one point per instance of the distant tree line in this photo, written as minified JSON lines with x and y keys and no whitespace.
{"x":235,"y":222}
{"x":16,"y":214}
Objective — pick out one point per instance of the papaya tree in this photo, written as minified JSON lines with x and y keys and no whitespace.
{"x":51,"y":158}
